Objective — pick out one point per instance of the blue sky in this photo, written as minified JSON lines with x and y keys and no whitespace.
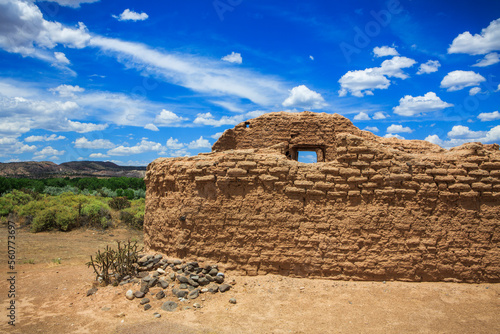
{"x":130,"y":81}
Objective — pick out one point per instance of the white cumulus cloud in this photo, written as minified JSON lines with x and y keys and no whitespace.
{"x":168,"y":118}
{"x":61,"y":58}
{"x":397,"y":128}
{"x":384,"y":51}
{"x":72,"y":3}
{"x":413,"y":106}
{"x":489,"y":59}
{"x":474,"y":90}
{"x":362,"y":116}
{"x":23,"y":30}
{"x":130,"y":15}
{"x":216,"y":135}
{"x":52,"y":137}
{"x":98,"y":155}
{"x":485,"y":42}
{"x":233,"y":57}
{"x":489,"y":116}
{"x":143,"y":146}
{"x":379,"y":115}
{"x":303,"y":97}
{"x":458,"y":80}
{"x":96,"y":144}
{"x":82,"y":127}
{"x":47,"y":151}
{"x":10,"y":145}
{"x":463,"y":132}
{"x":363,"y":82}
{"x":372,"y":129}
{"x":67,"y":90}
{"x":151,"y":126}
{"x":429,"y":67}
{"x":174,"y":144}
{"x":199,"y":143}
{"x":393,"y":135}
{"x":209,"y":119}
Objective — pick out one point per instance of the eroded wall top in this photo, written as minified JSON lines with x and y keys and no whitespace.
{"x":306,"y":131}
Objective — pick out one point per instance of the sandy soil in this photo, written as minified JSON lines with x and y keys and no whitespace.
{"x":51,"y":298}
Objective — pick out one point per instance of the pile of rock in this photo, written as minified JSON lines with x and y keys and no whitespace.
{"x":160,"y":278}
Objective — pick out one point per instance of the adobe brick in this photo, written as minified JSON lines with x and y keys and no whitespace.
{"x":349,"y":172}
{"x":237,"y":172}
{"x":481,"y":186}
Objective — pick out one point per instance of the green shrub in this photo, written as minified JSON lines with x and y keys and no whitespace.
{"x":55,"y":217}
{"x":55,"y":191}
{"x":119,"y":203}
{"x":45,"y":220}
{"x":96,"y":213}
{"x":6,"y":206}
{"x":66,"y":218}
{"x":134,"y":216}
{"x":139,"y":193}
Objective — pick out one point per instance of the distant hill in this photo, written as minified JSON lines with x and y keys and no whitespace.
{"x":46,"y":169}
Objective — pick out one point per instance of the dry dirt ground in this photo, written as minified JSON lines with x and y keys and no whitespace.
{"x":51,"y":298}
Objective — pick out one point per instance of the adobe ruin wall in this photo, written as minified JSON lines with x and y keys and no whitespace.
{"x":376,"y":209}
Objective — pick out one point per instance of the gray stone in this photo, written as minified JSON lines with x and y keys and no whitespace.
{"x":183,"y":286}
{"x":160,"y":295}
{"x":213,"y":272}
{"x":193,"y":283}
{"x":144,"y":301}
{"x":143,"y":274}
{"x":157,"y":315}
{"x":172,"y":276}
{"x":163,"y":284}
{"x":158,"y":256}
{"x":90,"y":292}
{"x":203,"y":281}
{"x":153,"y":282}
{"x":232,"y":300}
{"x":169,"y":306}
{"x":144,"y":289}
{"x":130,"y":295}
{"x":213,"y":288}
{"x":209,"y":277}
{"x":147,"y":307}
{"x":195,"y":278}
{"x":197,"y":305}
{"x":182,"y":279}
{"x":219,"y":279}
{"x":143,"y":260}
{"x":181,"y":293}
{"x":147,"y":278}
{"x":155,"y":273}
{"x":194,"y":294}
{"x":190,"y":287}
{"x":139,"y":294}
{"x":177,"y":262}
{"x":224,"y":287}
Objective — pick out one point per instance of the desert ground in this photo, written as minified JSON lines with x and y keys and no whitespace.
{"x":51,"y":297}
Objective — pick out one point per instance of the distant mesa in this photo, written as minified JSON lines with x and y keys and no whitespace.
{"x":47,"y":169}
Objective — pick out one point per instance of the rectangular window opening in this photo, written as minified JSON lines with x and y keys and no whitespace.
{"x":308,"y":157}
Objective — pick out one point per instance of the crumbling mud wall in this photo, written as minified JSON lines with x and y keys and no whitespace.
{"x":379,"y":210}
